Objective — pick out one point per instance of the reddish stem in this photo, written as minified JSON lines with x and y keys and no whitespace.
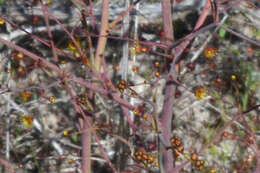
{"x":46,"y":19}
{"x":103,"y":31}
{"x":167,"y":111}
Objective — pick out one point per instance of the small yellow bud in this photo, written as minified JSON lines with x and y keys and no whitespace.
{"x":72,"y":46}
{"x":63,"y":62}
{"x":156,"y":164}
{"x":71,"y":161}
{"x":156,"y":64}
{"x":2,"y":21}
{"x":65,"y":132}
{"x":48,"y":2}
{"x":27,"y":120}
{"x":212,"y":171}
{"x":20,"y":55}
{"x":233,"y":77}
{"x":136,"y":111}
{"x":200,"y":92}
{"x":210,"y":52}
{"x":145,"y":116}
{"x":20,"y":69}
{"x":157,"y":74}
{"x":135,"y":69}
{"x":25,"y":96}
{"x":77,"y":54}
{"x":52,"y":99}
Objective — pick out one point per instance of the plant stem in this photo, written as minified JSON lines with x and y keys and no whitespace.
{"x":167,"y":111}
{"x":103,"y":32}
{"x":86,"y":146}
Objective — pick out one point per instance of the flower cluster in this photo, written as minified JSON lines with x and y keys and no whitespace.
{"x":199,"y":164}
{"x":178,"y":148}
{"x":122,"y":85}
{"x":145,"y":158}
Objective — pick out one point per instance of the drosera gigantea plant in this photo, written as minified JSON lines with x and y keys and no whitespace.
{"x":103,"y":85}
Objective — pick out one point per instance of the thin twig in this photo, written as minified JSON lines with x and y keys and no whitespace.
{"x":47,"y":23}
{"x":103,"y":31}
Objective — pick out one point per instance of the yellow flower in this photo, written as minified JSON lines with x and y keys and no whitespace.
{"x":145,"y":116}
{"x":210,"y":52}
{"x":72,"y":46}
{"x":136,"y":111}
{"x":48,"y":2}
{"x":212,"y":171}
{"x":2,"y":21}
{"x":20,"y":69}
{"x":65,"y":132}
{"x":135,"y":69}
{"x":63,"y":62}
{"x":76,"y":54}
{"x":27,"y":120}
{"x":200,"y":92}
{"x":25,"y":95}
{"x":233,"y":77}
{"x":52,"y":99}
{"x":156,"y":164}
{"x":71,"y":160}
{"x":20,"y":55}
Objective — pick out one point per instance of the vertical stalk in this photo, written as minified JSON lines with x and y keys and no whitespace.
{"x":124,"y":32}
{"x":103,"y":33}
{"x":7,"y":131}
{"x":86,"y":143}
{"x":167,"y":111}
{"x":124,"y":72}
{"x":86,"y":146}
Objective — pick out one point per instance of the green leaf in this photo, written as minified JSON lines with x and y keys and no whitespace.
{"x":213,"y":150}
{"x":258,"y":32}
{"x":75,"y":138}
{"x":222,"y":33}
{"x":236,"y":51}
